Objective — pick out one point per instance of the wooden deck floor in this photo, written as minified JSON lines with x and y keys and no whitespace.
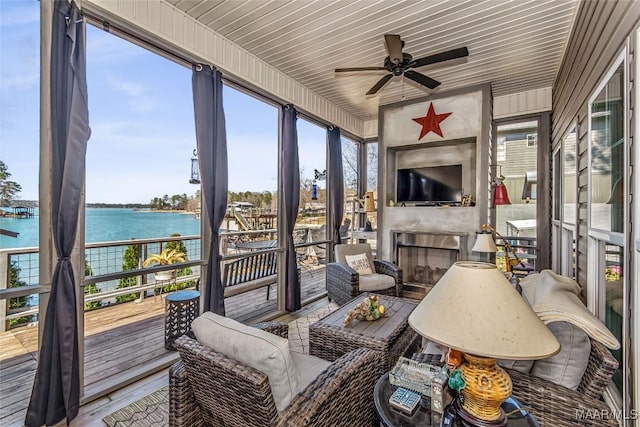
{"x":122,"y":343}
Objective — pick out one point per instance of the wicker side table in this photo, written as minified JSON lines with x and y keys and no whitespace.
{"x":180,"y":309}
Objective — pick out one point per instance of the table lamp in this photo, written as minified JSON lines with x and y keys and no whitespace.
{"x":474,"y":309}
{"x":485,"y":243}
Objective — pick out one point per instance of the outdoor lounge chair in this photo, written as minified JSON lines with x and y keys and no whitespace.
{"x":344,"y":283}
{"x":558,"y":406}
{"x":208,"y":388}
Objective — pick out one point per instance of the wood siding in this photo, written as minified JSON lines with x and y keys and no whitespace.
{"x":521,"y":103}
{"x":600,"y":33}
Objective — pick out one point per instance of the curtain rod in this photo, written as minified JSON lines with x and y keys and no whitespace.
{"x":173,"y":56}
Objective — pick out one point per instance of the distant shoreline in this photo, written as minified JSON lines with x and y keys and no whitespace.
{"x":118,"y":205}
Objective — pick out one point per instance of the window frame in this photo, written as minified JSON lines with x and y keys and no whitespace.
{"x":597,"y":239}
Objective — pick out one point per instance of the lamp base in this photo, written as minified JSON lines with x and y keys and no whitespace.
{"x":469,"y":420}
{"x":487,"y":386}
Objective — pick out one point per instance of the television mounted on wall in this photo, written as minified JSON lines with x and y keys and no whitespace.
{"x":433,"y":184}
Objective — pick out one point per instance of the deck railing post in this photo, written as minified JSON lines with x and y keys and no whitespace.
{"x":5,"y":277}
{"x":141,"y":280}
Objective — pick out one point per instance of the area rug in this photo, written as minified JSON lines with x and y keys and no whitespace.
{"x":299,"y":329}
{"x":153,"y":410}
{"x":150,"y":411}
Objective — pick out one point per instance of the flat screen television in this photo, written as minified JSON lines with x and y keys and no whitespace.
{"x":434,"y":184}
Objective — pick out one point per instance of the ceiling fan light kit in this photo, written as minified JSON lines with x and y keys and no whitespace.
{"x":399,"y":63}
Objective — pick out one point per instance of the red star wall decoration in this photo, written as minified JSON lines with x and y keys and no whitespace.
{"x":431,"y":122}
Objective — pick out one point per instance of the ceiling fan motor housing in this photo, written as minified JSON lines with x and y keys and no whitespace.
{"x":398,"y":69}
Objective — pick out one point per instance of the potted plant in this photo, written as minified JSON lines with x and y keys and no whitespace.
{"x":166,"y":257}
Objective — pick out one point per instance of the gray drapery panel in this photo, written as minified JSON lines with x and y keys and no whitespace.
{"x":211,"y":136}
{"x":336,"y":181}
{"x":56,"y":388}
{"x":291,"y":195}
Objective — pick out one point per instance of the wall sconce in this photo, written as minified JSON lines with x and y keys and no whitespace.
{"x":317,"y":176}
{"x":500,"y":194}
{"x":195,"y":171}
{"x":529,"y":189}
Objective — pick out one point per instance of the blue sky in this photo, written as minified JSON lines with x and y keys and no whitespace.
{"x":141,"y":117}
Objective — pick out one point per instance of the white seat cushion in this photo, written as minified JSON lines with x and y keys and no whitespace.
{"x":375,"y":282}
{"x":261,"y":350}
{"x":307,"y":368}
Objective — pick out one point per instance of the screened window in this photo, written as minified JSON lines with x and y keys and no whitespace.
{"x":372,"y":179}
{"x":311,"y":225}
{"x":569,"y":182}
{"x":350,"y":170}
{"x":532,"y":140}
{"x":607,"y":155}
{"x":557,"y":185}
{"x":607,"y":254}
{"x":612,"y":301}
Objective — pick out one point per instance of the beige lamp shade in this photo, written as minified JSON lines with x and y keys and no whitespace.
{"x":473,"y":308}
{"x":484,"y":243}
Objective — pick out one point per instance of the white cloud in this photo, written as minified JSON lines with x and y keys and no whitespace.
{"x":19,"y":81}
{"x":105,"y":48}
{"x":14,"y":13}
{"x":128,"y":87}
{"x":139,"y":97}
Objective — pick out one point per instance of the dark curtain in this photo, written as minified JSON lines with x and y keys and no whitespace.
{"x":291,"y":195}
{"x":56,"y":388}
{"x":211,"y":138}
{"x":336,"y":181}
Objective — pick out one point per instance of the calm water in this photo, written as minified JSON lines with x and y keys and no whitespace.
{"x":104,"y":225}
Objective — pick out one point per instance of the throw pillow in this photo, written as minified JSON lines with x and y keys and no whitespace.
{"x":359,"y":263}
{"x":568,"y":366}
{"x":523,"y":366}
{"x":261,"y":350}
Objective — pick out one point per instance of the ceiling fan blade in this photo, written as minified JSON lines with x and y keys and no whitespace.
{"x":394,"y":47}
{"x":460,"y":52}
{"x":422,"y":79}
{"x":348,"y":70}
{"x":383,"y":81}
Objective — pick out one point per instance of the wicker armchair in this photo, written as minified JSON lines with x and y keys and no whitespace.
{"x":207,"y":388}
{"x":343,"y":282}
{"x":558,"y":406}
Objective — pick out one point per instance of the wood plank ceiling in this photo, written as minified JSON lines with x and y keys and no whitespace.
{"x":516,"y":45}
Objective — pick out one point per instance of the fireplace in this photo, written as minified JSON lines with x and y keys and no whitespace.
{"x":424,"y":257}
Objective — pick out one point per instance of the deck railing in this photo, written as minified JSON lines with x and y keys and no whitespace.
{"x":104,"y":283}
{"x":525,"y":248}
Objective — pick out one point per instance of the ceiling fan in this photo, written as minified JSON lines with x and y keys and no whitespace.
{"x":400,"y":63}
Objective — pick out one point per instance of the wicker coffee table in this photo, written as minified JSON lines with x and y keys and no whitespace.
{"x":391,"y":334}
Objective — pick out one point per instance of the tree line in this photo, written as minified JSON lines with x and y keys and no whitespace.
{"x":264,"y":200}
{"x":177,"y":202}
{"x":8,"y":189}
